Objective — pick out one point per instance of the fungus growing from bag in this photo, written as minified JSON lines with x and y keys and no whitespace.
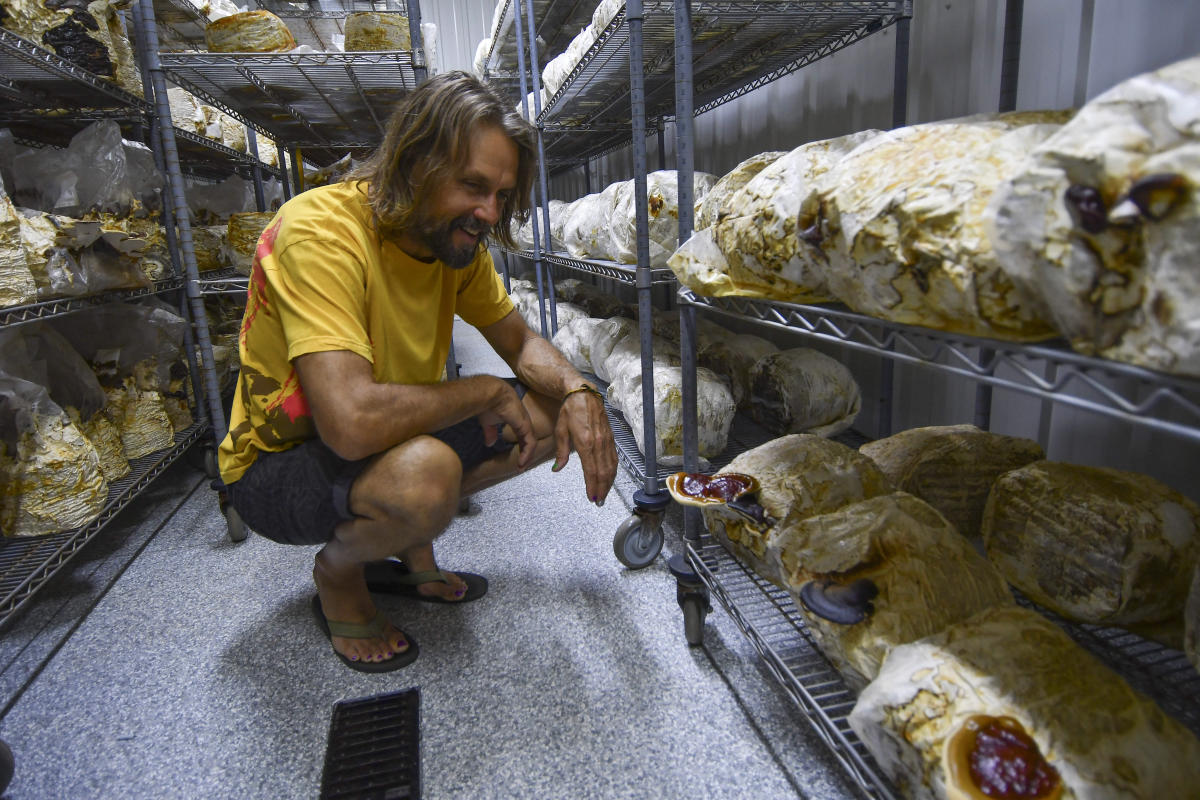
{"x":1157,"y":195}
{"x":1087,"y":208}
{"x":732,"y":489}
{"x":845,"y":604}
{"x":991,"y":757}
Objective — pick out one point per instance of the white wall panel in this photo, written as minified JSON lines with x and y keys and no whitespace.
{"x":1133,"y":37}
{"x":461,"y":24}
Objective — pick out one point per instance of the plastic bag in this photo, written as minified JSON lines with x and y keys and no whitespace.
{"x":8,"y":152}
{"x":117,"y":337}
{"x":107,"y":267}
{"x":50,"y":476}
{"x":46,"y":180}
{"x":97,"y":172}
{"x":36,"y":352}
{"x":211,"y":204}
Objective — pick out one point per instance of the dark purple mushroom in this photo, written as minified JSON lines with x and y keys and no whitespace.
{"x":1087,"y":208}
{"x":844,"y":604}
{"x":748,"y":506}
{"x":1157,"y":195}
{"x":812,"y":234}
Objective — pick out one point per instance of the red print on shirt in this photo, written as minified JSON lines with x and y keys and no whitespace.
{"x":256,"y":292}
{"x":290,"y":400}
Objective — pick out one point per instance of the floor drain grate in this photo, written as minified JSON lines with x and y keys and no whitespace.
{"x":374,"y":750}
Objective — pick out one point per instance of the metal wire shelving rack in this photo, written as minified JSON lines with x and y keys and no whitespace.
{"x":327,"y":103}
{"x":45,"y":100}
{"x":15,"y":315}
{"x":627,"y":77}
{"x":224,"y":281}
{"x":26,"y":564}
{"x":556,"y":23}
{"x":588,"y":117}
{"x":1051,"y":371}
{"x":738,"y":47}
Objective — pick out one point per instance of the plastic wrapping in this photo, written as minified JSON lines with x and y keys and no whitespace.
{"x":799,"y":476}
{"x":55,"y":270}
{"x":51,"y":476}
{"x":115,"y":338}
{"x":17,"y":284}
{"x":37,"y":353}
{"x":214,"y":203}
{"x":1096,"y":545}
{"x":1103,"y":738}
{"x":926,"y":574}
{"x":97,"y":172}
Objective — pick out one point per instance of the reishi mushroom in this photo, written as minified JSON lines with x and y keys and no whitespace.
{"x":990,"y":757}
{"x":733,"y":489}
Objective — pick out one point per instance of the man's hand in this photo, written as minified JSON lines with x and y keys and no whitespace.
{"x":583,"y":425}
{"x":506,"y":408}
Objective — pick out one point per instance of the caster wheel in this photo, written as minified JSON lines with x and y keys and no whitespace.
{"x":637,"y":544}
{"x":210,"y":464}
{"x":694,"y":612}
{"x":7,"y":766}
{"x":237,"y":528}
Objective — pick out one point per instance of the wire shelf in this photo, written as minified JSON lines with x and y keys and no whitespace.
{"x":1166,"y":403}
{"x":768,"y":617}
{"x":198,"y":155}
{"x":324,"y":102}
{"x":33,"y":77}
{"x":184,"y":21}
{"x":52,"y":308}
{"x":623,"y":273}
{"x":309,"y":26}
{"x":224,"y":281}
{"x":737,"y":47}
{"x":556,"y":22}
{"x":27,"y":564}
{"x":288,"y":8}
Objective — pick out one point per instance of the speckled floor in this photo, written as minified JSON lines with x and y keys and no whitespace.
{"x":167,"y":661}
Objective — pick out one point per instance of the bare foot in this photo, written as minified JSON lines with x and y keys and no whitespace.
{"x":344,"y":598}
{"x":451,"y":592}
{"x":420,"y":559}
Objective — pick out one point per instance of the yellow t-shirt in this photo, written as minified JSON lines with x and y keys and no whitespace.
{"x":324,"y":280}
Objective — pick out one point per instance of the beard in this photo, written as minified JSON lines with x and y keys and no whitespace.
{"x":439,"y":238}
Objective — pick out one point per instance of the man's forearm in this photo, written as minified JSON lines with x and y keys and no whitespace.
{"x":358,"y":417}
{"x":541,"y":367}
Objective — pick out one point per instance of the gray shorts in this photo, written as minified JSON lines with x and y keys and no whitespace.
{"x":298,"y":496}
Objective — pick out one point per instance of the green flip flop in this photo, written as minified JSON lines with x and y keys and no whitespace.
{"x":394,"y":577}
{"x":369,"y":630}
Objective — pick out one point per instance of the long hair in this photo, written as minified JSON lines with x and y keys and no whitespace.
{"x":428,"y":138}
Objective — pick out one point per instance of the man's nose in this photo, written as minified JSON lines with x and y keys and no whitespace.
{"x":489,"y":210}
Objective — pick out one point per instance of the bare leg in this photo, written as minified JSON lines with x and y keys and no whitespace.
{"x":403,"y":501}
{"x":543,"y":411}
{"x":489,"y":473}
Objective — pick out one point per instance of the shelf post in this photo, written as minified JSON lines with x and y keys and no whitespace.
{"x":634,"y":17}
{"x":533,"y":200}
{"x":148,"y":37}
{"x":887,"y":370}
{"x":417,"y":41}
{"x":685,"y":175}
{"x":535,"y":76}
{"x":260,"y":197}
